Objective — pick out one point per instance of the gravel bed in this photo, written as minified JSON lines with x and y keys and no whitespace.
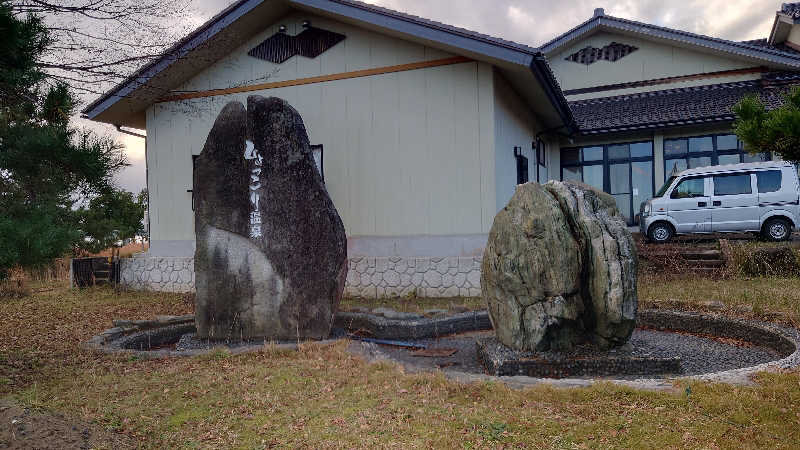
{"x":698,"y":354}
{"x":190,"y":341}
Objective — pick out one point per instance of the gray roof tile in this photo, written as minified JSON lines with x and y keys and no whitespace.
{"x":676,"y":107}
{"x":764,"y":42}
{"x":646,"y":28}
{"x":791,"y":9}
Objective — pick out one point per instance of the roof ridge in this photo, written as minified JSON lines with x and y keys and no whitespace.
{"x":570,"y":31}
{"x":740,"y":44}
{"x":705,"y":36}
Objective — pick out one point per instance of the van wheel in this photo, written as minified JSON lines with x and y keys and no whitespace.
{"x":776,"y":230}
{"x":660,"y":232}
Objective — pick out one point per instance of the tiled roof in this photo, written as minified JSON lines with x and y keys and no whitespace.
{"x":764,"y":42}
{"x":747,"y":47}
{"x":676,"y":107}
{"x":791,"y":9}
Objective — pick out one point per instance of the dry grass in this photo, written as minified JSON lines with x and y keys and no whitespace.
{"x":323,"y":397}
{"x":126,"y":251}
{"x":776,"y":299}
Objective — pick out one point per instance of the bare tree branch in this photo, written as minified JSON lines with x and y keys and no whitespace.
{"x":98,"y":43}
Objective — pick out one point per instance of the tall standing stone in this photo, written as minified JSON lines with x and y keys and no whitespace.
{"x":271,"y":254}
{"x":560,"y":269}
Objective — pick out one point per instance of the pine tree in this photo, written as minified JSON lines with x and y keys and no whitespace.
{"x":776,"y":131}
{"x":47,"y":167}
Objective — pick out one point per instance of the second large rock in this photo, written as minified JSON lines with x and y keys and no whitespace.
{"x":560,"y":269}
{"x":271,"y":256}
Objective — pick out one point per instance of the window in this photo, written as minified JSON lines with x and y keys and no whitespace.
{"x":593,"y":176}
{"x":541,"y":160}
{"x":689,"y":188}
{"x":194,"y":166}
{"x":522,"y":169}
{"x":701,"y":144}
{"x":592,"y":154}
{"x":624,"y":170}
{"x":727,"y":142}
{"x":666,"y":186}
{"x":317,"y":151}
{"x":732,"y":184}
{"x":701,"y":151}
{"x":769,"y":181}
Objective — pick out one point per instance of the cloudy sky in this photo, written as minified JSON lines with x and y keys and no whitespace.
{"x":534,"y":22}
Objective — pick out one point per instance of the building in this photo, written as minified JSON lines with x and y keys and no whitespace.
{"x":423,"y":130}
{"x":650,"y":99}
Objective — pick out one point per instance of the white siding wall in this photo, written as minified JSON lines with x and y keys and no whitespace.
{"x":360,"y":50}
{"x":409,"y":153}
{"x":794,"y":35}
{"x":651,"y":61}
{"x":515,"y":126}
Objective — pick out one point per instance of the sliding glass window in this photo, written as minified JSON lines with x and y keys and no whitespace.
{"x":699,"y":151}
{"x":623,"y":170}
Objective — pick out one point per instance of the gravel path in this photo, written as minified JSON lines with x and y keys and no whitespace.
{"x":699,"y":354}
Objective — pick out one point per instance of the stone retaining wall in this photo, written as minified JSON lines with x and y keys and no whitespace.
{"x":426,"y":277}
{"x":367,"y":277}
{"x":158,"y":274}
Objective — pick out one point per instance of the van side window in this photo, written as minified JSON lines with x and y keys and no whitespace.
{"x":732,"y":184}
{"x":689,"y":188}
{"x":769,"y":181}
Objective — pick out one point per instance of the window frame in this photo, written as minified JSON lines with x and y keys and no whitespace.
{"x":607,"y":162}
{"x":713,"y":154}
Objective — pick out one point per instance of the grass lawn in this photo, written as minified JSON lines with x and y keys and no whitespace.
{"x":772,"y":299}
{"x":323,"y":397}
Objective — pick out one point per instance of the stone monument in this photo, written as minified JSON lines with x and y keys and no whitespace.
{"x":271,"y":253}
{"x":560,"y":270}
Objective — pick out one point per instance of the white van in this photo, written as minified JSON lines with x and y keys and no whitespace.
{"x":761,"y":197}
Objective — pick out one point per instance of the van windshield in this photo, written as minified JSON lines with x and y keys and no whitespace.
{"x":666,"y":186}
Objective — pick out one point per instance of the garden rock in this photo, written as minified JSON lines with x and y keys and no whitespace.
{"x":271,"y":254}
{"x":559,"y":269}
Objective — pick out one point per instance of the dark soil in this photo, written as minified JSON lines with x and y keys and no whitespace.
{"x":22,"y":428}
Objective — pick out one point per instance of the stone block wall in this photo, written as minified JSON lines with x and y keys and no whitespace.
{"x":367,"y":277}
{"x":163,"y":274}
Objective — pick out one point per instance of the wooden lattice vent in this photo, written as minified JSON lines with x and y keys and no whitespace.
{"x":611,"y":52}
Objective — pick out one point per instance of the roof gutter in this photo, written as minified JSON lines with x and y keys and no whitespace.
{"x":659,"y":125}
{"x":541,"y":70}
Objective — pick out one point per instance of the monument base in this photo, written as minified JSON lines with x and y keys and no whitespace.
{"x":499,"y":360}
